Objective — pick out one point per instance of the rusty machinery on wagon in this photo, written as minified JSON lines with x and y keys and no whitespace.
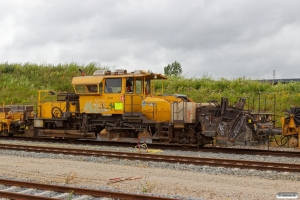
{"x":235,"y":125}
{"x":291,"y":127}
{"x":122,"y":106}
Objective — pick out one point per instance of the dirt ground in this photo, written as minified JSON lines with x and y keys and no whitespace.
{"x":162,"y":181}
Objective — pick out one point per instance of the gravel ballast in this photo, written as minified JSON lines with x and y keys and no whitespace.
{"x":159,"y":178}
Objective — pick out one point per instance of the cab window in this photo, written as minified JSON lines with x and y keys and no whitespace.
{"x":147,"y":87}
{"x":138,"y":86}
{"x":92,"y":88}
{"x":129,"y":85}
{"x":113,"y":85}
{"x":86,"y":88}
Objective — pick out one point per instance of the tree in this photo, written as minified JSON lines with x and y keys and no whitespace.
{"x":173,"y":70}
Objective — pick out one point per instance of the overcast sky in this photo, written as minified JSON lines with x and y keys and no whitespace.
{"x":229,"y":39}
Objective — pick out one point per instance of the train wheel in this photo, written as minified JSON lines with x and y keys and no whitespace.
{"x":293,"y":142}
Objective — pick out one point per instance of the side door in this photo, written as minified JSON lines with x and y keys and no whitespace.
{"x":134,"y":95}
{"x":112,"y":98}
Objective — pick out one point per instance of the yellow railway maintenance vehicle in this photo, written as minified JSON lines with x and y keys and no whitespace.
{"x":122,"y":106}
{"x":118,"y":106}
{"x":12,"y":118}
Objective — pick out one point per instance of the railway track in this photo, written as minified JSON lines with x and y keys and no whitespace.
{"x":272,"y":166}
{"x":28,"y":190}
{"x":260,"y":152}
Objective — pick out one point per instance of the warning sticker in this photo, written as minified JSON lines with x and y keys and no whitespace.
{"x":118,"y":106}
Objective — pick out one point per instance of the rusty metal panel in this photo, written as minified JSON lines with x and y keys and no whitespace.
{"x":177,"y":115}
{"x":183,"y":112}
{"x":190,"y":112}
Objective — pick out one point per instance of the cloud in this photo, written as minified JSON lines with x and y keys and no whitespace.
{"x":226,"y":39}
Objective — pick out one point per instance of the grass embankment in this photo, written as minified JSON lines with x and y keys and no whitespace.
{"x":20,"y":82}
{"x":283,"y":96}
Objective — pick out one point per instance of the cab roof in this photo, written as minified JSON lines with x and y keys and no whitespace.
{"x":99,"y":75}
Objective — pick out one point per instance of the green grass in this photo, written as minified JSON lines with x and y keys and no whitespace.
{"x":20,"y":82}
{"x":206,"y":88}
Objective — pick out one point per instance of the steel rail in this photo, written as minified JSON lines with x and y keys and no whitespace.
{"x":68,"y":189}
{"x":259,"y":152}
{"x":216,"y":162}
{"x":165,"y":147}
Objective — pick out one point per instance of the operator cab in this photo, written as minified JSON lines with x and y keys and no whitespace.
{"x":114,"y":92}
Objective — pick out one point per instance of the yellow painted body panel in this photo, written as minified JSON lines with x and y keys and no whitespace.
{"x":289,"y":128}
{"x":133,"y":102}
{"x":2,"y":116}
{"x":157,"y":109}
{"x":104,"y":104}
{"x":46,"y":108}
{"x":170,"y":98}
